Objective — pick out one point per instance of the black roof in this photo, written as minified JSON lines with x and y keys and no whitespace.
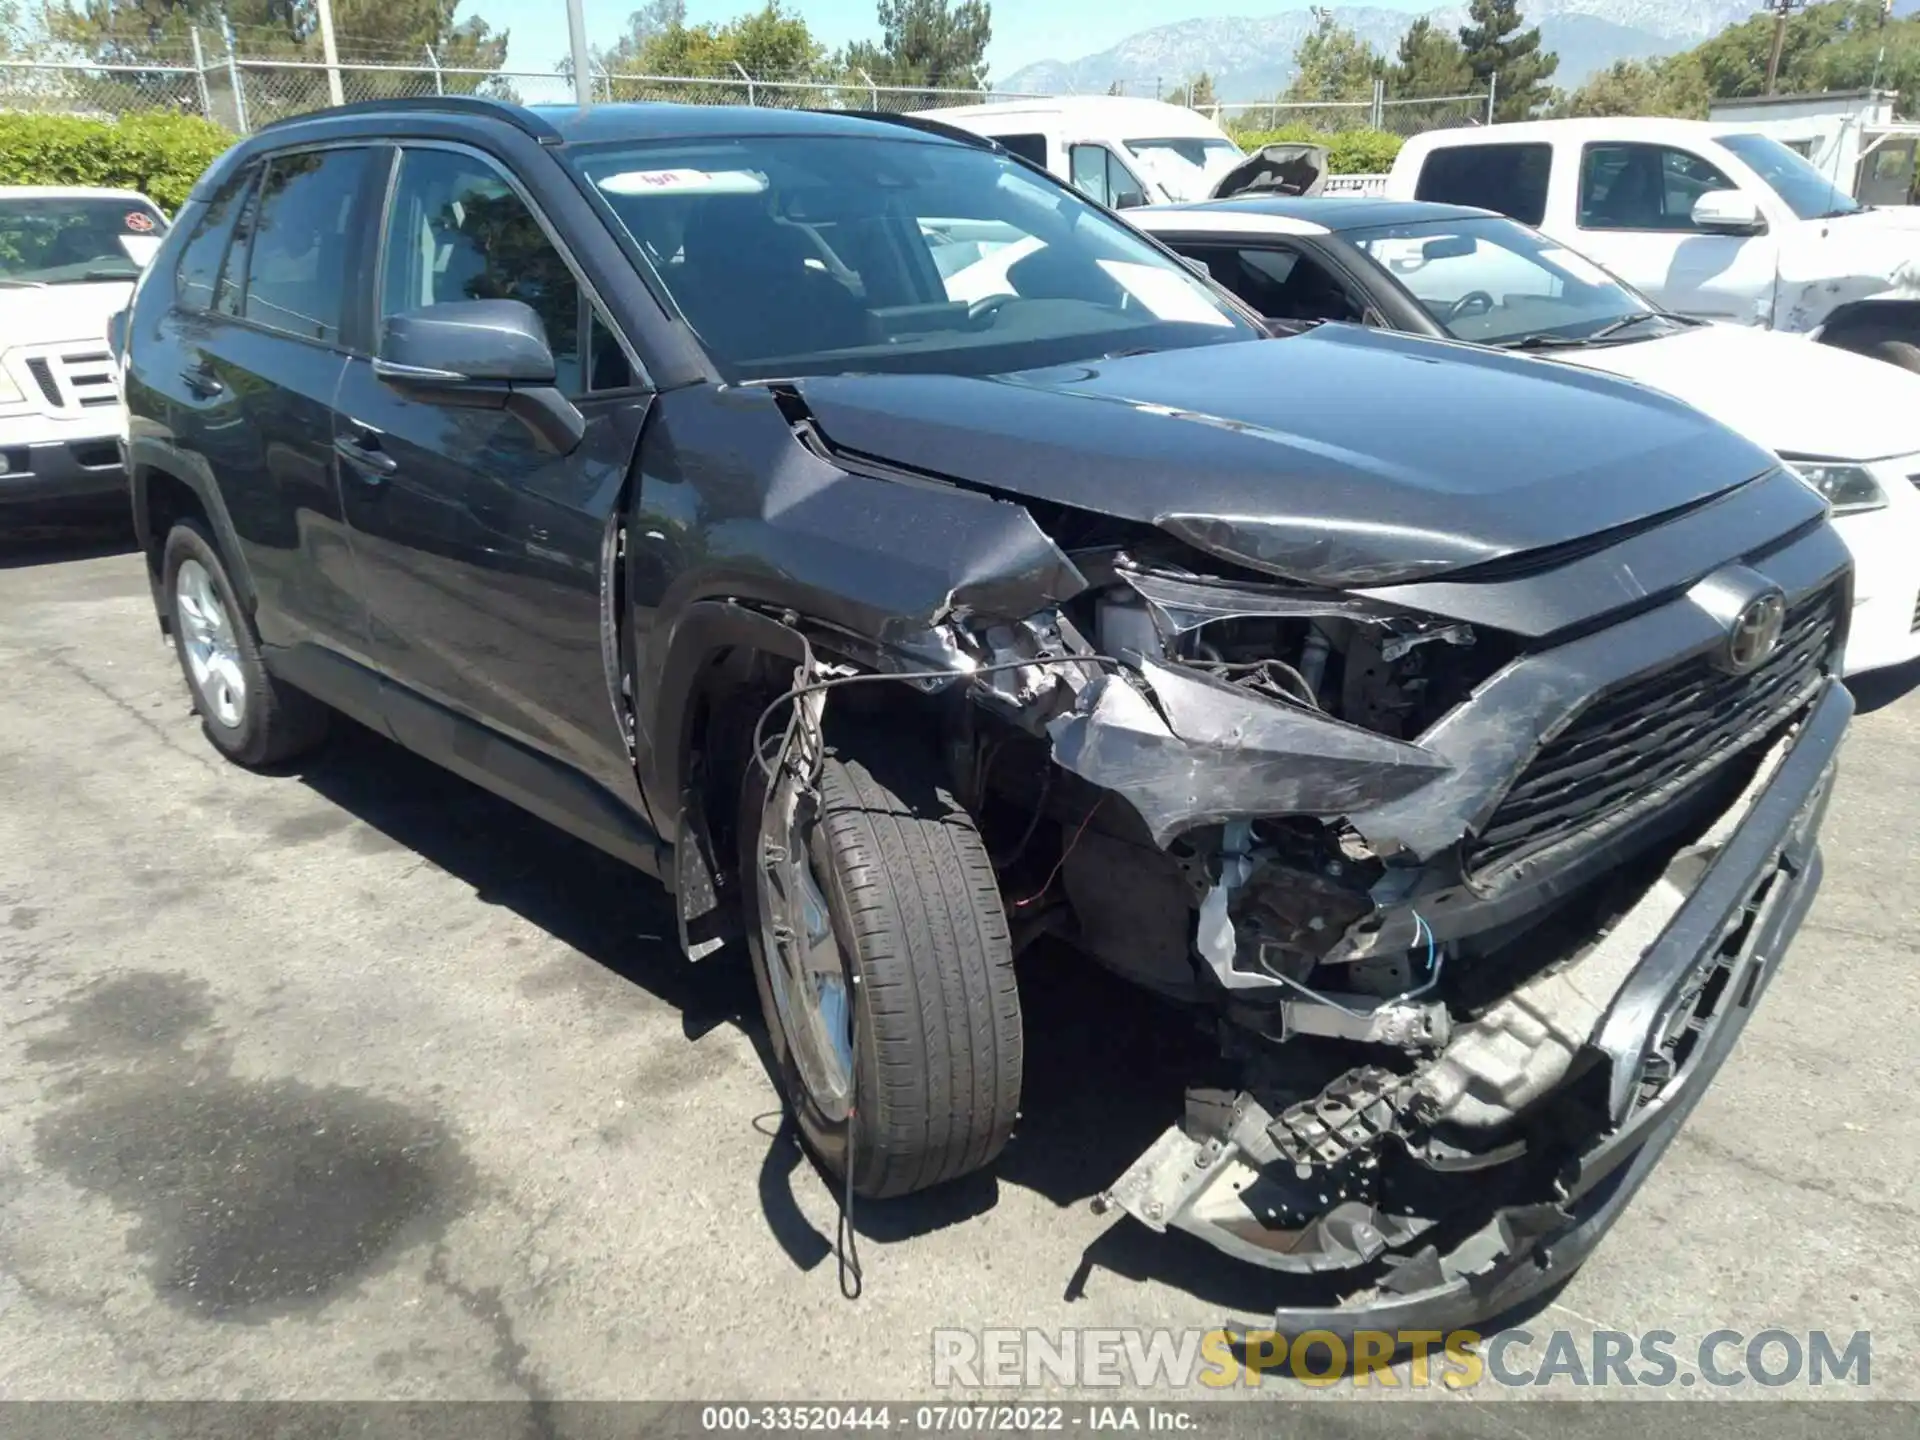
{"x":1342,"y":212}
{"x":568,"y":124}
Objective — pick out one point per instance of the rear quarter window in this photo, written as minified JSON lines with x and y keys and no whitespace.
{"x":1511,"y":179}
{"x":1031,"y":148}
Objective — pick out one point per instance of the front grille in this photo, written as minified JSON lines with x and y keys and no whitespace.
{"x":1915,"y":627}
{"x":42,"y":374}
{"x":1656,"y":734}
{"x":81,"y":378}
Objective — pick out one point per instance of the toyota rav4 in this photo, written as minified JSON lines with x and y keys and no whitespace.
{"x":902,"y":559}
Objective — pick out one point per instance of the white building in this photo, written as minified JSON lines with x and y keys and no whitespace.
{"x":1851,"y":135}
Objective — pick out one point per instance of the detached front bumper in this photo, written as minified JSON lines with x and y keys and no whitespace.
{"x":1713,"y":957}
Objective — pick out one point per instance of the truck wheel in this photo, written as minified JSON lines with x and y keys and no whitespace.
{"x":1903,"y":353}
{"x":249,"y":716}
{"x":886,"y":899}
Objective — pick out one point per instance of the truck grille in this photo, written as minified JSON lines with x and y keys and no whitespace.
{"x":75,"y":379}
{"x":1660,"y":732}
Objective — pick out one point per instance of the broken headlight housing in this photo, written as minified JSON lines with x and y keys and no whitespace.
{"x":1849,"y":489}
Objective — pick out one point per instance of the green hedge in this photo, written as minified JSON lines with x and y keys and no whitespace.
{"x":1349,"y":152}
{"x":160,"y":155}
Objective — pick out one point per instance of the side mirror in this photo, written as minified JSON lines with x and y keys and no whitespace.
{"x":1728,"y":212}
{"x":1129,"y":200}
{"x":481,"y":355}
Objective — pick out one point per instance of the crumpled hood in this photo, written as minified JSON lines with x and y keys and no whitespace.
{"x":1786,"y":392}
{"x":1341,"y":456}
{"x":49,"y":314}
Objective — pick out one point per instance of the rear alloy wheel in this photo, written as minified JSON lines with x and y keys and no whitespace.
{"x":881,"y":954}
{"x":249,"y":716}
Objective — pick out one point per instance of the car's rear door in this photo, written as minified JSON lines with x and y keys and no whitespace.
{"x":482,"y":553}
{"x":260,"y":354}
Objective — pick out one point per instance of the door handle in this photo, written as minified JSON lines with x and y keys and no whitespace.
{"x":202,"y":382}
{"x":365,"y":455}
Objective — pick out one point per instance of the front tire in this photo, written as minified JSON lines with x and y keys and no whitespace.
{"x":892,"y":887}
{"x":251,"y":717}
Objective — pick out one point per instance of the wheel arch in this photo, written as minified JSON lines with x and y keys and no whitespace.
{"x":1895,"y":317}
{"x":163,"y":493}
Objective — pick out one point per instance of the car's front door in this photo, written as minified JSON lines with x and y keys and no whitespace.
{"x":481,"y":551}
{"x":1635,"y":216}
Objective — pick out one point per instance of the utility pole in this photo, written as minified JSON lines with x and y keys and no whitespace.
{"x":582,"y":61}
{"x":332,"y":54}
{"x":1781,"y":9}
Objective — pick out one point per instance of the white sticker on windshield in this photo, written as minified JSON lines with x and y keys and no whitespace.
{"x":1578,"y":266}
{"x":684,"y":182}
{"x":140,"y":248}
{"x":1168,"y":294}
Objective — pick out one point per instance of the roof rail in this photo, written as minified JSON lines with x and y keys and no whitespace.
{"x":930,"y":127}
{"x":517,"y":116}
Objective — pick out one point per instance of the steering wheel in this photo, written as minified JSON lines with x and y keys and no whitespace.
{"x":983,"y":308}
{"x":1479,"y":299}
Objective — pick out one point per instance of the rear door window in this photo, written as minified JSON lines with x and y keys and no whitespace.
{"x":197,"y":279}
{"x":1511,"y":179}
{"x":299,"y":236}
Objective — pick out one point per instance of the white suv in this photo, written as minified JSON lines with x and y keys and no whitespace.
{"x":69,"y":257}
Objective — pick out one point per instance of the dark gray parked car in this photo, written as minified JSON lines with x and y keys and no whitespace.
{"x":1446,"y":733}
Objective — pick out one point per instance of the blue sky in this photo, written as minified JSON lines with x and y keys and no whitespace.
{"x":1023,"y":30}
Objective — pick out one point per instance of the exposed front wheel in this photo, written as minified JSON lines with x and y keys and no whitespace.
{"x":249,"y":716}
{"x":881,"y":954}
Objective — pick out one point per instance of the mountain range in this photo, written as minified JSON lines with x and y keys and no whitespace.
{"x":1250,"y":57}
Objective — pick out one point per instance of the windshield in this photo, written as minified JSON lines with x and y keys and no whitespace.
{"x":1791,"y":176}
{"x":69,"y":240}
{"x":1493,"y":282}
{"x":815,"y":255}
{"x":1186,"y":167}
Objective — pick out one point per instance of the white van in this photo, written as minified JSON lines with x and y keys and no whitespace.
{"x":1118,"y":151}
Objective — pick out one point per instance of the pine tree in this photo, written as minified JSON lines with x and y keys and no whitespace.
{"x":1429,"y":62}
{"x":1501,"y":53}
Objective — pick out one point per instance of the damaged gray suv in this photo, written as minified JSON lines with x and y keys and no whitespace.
{"x":903,"y":560}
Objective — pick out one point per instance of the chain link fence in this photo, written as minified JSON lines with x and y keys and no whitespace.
{"x":206,"y":77}
{"x":1406,"y":117}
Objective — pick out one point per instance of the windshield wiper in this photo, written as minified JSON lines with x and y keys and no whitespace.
{"x":1625,"y":322}
{"x":1542,"y":342}
{"x":1559,"y":342}
{"x":23,"y":284}
{"x":1838,"y":214}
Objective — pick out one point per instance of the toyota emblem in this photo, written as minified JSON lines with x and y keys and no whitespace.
{"x":1756,"y":633}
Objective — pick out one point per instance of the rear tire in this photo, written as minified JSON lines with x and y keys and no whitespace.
{"x":916,"y":914}
{"x":251,"y":717}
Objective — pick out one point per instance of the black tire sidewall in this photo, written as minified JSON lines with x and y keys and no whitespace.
{"x":246,"y":741}
{"x":826,"y":1137}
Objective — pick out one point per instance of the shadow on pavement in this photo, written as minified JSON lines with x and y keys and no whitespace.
{"x":1878,"y":689}
{"x":52,"y":532}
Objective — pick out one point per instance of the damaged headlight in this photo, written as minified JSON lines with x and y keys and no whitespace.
{"x":1849,"y":489}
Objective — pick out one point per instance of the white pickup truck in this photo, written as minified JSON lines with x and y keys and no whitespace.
{"x":1708,"y":220}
